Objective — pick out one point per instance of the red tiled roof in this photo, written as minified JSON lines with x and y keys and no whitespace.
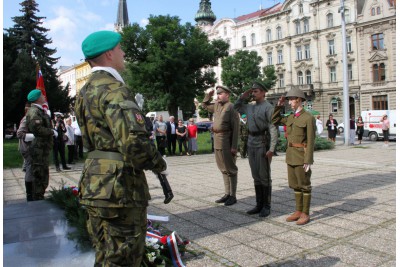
{"x":260,"y":13}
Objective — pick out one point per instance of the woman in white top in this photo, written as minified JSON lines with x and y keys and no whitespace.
{"x":70,"y":142}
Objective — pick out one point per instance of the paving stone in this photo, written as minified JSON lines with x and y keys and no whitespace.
{"x":246,"y":256}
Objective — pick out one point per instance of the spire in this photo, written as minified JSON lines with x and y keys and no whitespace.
{"x":205,"y":16}
{"x":122,"y":16}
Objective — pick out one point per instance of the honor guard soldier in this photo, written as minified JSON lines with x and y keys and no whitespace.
{"x":260,"y":145}
{"x":113,"y":186}
{"x":300,"y":128}
{"x":38,"y":123}
{"x":226,"y":136}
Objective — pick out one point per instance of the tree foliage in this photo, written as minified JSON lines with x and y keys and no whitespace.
{"x":269,"y":77}
{"x":240,"y":69}
{"x":170,"y":63}
{"x":25,"y":46}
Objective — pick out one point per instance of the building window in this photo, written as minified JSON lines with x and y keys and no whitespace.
{"x":306,"y":25}
{"x":244,"y":41}
{"x":298,"y":27}
{"x":307,"y":53}
{"x":299,"y":78}
{"x":334,"y":106}
{"x":378,"y":10}
{"x":350,"y":71}
{"x":308,"y":77}
{"x":377,"y":41}
{"x":380,"y":102}
{"x":253,"y":39}
{"x":347,"y":15}
{"x":269,"y":58}
{"x":378,"y":72}
{"x":301,"y":9}
{"x":299,"y":55}
{"x":329,"y":20}
{"x":332,"y":74}
{"x":281,"y":81}
{"x":269,"y":36}
{"x":331,"y":46}
{"x":279,"y":33}
{"x":225,"y":31}
{"x":348,"y":43}
{"x":280,"y":57}
{"x":373,"y":11}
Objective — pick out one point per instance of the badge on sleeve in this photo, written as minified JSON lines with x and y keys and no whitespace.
{"x":139,"y":118}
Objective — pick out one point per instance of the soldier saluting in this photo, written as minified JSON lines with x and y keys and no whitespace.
{"x":113,"y":185}
{"x":260,"y":145}
{"x":300,"y":128}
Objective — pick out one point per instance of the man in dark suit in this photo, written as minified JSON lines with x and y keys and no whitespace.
{"x":171,"y":135}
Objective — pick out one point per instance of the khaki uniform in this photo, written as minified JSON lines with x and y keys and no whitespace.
{"x":113,"y":184}
{"x":38,"y":123}
{"x":300,"y":150}
{"x":226,"y":136}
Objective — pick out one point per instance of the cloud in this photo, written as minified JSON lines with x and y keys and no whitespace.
{"x":108,"y":27}
{"x":144,"y":22}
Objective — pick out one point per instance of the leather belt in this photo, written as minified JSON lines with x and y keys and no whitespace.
{"x":297,"y":145}
{"x":98,"y":154}
{"x":256,"y":133}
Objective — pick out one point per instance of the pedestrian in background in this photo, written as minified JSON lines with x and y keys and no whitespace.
{"x":113,"y":187}
{"x":301,"y":129}
{"x":192,"y":137}
{"x":70,"y":142}
{"x":181,"y":133}
{"x":78,"y":143}
{"x":226,"y":136}
{"x":385,"y":129}
{"x":244,"y":134}
{"x":171,"y":135}
{"x":331,"y":125}
{"x":319,"y":124}
{"x":360,"y":129}
{"x":262,"y":140}
{"x":59,"y":142}
{"x":38,"y":123}
{"x":352,"y":130}
{"x":160,"y":128}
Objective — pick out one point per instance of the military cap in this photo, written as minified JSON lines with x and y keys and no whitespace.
{"x":243,"y":116}
{"x":34,"y":95}
{"x":259,"y":85}
{"x":58,"y":114}
{"x":221,"y":89}
{"x":99,"y":42}
{"x":295,"y":92}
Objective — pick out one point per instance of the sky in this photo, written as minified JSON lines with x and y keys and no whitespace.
{"x":70,"y":21}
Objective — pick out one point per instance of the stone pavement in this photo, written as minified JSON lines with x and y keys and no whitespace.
{"x":353,"y":214}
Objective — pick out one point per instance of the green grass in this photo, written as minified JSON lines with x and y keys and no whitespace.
{"x":11,"y":156}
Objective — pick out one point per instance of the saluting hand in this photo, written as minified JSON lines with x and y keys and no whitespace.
{"x":246,"y":94}
{"x":281,"y":101}
{"x":211,"y":93}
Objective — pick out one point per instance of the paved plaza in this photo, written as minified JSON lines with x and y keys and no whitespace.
{"x":353,"y":214}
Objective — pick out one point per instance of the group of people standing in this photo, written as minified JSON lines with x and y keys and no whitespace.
{"x":170,"y":132}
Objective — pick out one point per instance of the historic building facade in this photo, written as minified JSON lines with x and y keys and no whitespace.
{"x":303,"y":40}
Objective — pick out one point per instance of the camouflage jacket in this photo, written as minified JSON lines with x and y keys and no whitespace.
{"x":244,"y":131}
{"x":38,"y":123}
{"x":110,"y":120}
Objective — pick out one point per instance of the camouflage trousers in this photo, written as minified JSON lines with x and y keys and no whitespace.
{"x":40,"y":173}
{"x":118,"y":235}
{"x":243,"y":148}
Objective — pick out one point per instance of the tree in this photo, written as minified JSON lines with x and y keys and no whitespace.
{"x":25,"y":45}
{"x":269,"y":77}
{"x":170,"y":63}
{"x":240,"y":69}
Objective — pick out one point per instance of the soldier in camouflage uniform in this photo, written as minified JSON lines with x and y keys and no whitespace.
{"x":38,"y":123}
{"x":113,"y":185}
{"x":244,"y":134}
{"x":300,"y":128}
{"x":261,"y":144}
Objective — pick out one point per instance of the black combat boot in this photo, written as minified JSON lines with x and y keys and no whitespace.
{"x":29,"y":191}
{"x":222,"y":199}
{"x":258,"y":207}
{"x":266,"y":209}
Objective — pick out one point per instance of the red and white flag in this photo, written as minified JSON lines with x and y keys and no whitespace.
{"x":40,"y":86}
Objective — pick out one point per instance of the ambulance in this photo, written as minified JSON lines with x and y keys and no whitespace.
{"x":373,"y":124}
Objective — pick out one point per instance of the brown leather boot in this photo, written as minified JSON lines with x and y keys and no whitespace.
{"x":294,"y":217}
{"x":304,"y":219}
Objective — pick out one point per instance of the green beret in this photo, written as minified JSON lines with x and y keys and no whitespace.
{"x":243,"y":116}
{"x":34,"y":95}
{"x":259,"y":85}
{"x":221,"y":89}
{"x":99,"y":42}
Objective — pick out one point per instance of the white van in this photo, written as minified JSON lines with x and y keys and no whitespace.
{"x":373,"y":124}
{"x":154,"y":114}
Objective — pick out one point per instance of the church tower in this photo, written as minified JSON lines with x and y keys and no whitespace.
{"x":205,"y":17}
{"x":122,"y":16}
